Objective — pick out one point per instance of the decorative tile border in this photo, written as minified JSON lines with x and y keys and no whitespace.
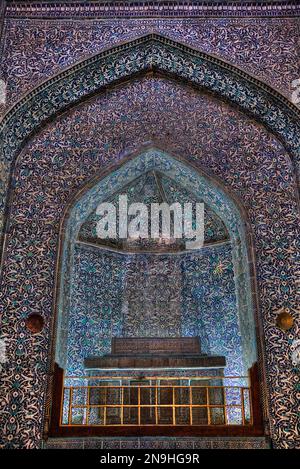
{"x":158,"y":443}
{"x":146,"y":9}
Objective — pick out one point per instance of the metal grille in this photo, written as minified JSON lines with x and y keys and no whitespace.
{"x":156,"y":401}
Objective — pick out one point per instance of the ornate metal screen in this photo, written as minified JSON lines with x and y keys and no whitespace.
{"x":99,"y":401}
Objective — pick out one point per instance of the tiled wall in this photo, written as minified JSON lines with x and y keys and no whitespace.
{"x":167,"y":295}
{"x":37,"y":49}
{"x":251,"y":163}
{"x":158,"y":443}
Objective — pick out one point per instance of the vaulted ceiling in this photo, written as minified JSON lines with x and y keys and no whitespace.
{"x":154,"y":187}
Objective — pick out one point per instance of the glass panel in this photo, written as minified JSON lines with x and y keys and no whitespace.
{"x":233,"y":396}
{"x":165,"y":396}
{"x":200,"y":416}
{"x":147,"y":395}
{"x":182,"y":396}
{"x":165,"y":415}
{"x":182,"y":415}
{"x":77,"y":416}
{"x":98,"y":396}
{"x":234,"y":416}
{"x":130,"y":415}
{"x":199,"y":396}
{"x":217,"y":416}
{"x":96,"y":416}
{"x":80,"y":396}
{"x":113,"y":396}
{"x":216,"y":396}
{"x":65,"y":416}
{"x":247,"y":407}
{"x":147,"y":415}
{"x":113,"y":416}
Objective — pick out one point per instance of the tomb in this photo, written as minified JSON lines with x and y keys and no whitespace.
{"x":145,"y":352}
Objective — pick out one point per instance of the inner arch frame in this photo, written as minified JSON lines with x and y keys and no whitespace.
{"x":101,"y":187}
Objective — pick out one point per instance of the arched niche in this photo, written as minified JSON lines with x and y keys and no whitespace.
{"x":198,"y":183}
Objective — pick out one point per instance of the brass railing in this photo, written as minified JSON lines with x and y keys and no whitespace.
{"x":159,"y":401}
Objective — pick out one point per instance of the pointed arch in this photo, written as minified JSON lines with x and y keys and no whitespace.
{"x":102,"y":186}
{"x":150,"y":52}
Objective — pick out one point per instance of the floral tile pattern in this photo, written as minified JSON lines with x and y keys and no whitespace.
{"x":251,"y":163}
{"x":198,"y":301}
{"x":36,"y":50}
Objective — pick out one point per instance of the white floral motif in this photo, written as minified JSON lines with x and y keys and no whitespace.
{"x":3,"y":357}
{"x":2,"y":92}
{"x":295,"y":347}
